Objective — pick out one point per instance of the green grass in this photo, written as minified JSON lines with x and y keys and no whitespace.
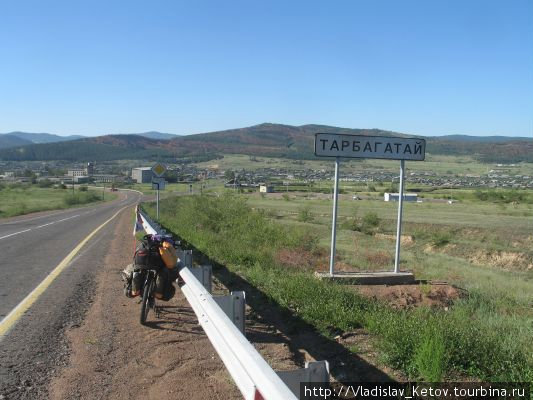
{"x":486,"y":336}
{"x":25,"y":199}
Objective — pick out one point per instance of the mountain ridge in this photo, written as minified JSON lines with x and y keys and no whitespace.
{"x":266,"y":139}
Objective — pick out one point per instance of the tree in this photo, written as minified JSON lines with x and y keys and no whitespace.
{"x":229,"y":175}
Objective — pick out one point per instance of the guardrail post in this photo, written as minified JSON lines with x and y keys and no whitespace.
{"x":186,"y":259}
{"x":316,"y":371}
{"x":204,"y":274}
{"x":234,"y":306}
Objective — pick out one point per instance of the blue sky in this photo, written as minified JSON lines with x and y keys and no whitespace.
{"x":429,"y":67}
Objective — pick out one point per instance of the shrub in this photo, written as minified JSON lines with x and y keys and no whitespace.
{"x":440,"y":239}
{"x":286,"y":197}
{"x":83,"y":188}
{"x":71,"y":199}
{"x":430,"y":357}
{"x":304,"y":214}
{"x":45,"y":183}
{"x":370,"y":223}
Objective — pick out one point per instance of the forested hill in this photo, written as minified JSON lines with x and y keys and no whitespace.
{"x":267,"y":139}
{"x":103,"y":148}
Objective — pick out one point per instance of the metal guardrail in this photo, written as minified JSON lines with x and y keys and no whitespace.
{"x":253,"y":376}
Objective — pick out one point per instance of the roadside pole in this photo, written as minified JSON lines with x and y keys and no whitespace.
{"x":334,"y":222}
{"x":400,"y":212}
{"x":158,"y":183}
{"x":157,"y":201}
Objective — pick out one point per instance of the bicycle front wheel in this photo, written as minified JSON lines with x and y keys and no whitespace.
{"x":147,"y":293}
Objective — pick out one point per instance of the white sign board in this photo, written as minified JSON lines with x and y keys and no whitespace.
{"x":158,"y":184}
{"x":359,"y":146}
{"x":159,"y":169}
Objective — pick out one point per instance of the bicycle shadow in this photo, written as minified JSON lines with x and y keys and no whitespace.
{"x":300,"y":336}
{"x":172,"y":316}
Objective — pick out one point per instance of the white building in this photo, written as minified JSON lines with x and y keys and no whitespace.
{"x":142,"y":175}
{"x":77,"y":172}
{"x":266,"y":189}
{"x":396,"y":197}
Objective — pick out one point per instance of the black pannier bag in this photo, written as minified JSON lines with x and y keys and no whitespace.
{"x":147,"y":254}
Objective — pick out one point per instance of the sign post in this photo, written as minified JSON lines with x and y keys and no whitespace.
{"x":334,"y":222}
{"x":400,"y":212}
{"x":379,"y":147}
{"x":158,"y":183}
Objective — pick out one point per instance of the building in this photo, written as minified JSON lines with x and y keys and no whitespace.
{"x":142,"y":175}
{"x":396,"y":197}
{"x":77,"y":172}
{"x":90,"y":169}
{"x":107,"y":178}
{"x":81,"y":179}
{"x":266,"y":189}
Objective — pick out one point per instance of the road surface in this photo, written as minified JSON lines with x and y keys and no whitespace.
{"x":31,"y":248}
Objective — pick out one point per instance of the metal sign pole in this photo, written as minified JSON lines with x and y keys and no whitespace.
{"x":399,"y":227}
{"x":334,"y":222}
{"x":157,"y":201}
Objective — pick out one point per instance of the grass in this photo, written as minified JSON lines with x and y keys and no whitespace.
{"x":486,"y":336}
{"x":25,"y":199}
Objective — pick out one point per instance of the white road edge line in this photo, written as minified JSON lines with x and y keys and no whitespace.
{"x":37,"y":227}
{"x":16,"y":313}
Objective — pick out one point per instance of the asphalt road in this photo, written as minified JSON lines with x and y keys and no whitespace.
{"x":31,"y":247}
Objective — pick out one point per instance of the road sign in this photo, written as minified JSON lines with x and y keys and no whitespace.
{"x":158,"y":183}
{"x":159,"y":169}
{"x":359,"y":146}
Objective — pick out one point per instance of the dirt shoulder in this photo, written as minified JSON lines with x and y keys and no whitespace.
{"x":113,"y":356}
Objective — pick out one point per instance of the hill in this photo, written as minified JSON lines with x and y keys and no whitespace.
{"x":158,"y":135}
{"x":102,"y":148}
{"x":8,"y":140}
{"x":270,"y":140}
{"x":274,"y":140}
{"x":42,"y":137}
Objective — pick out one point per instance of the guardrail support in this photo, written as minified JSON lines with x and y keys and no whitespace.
{"x":234,"y":305}
{"x":186,"y":259}
{"x":316,"y":371}
{"x":204,"y":274}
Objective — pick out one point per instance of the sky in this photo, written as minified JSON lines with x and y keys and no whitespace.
{"x":425,"y":67}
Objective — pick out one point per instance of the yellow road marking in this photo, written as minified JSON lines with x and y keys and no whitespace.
{"x":11,"y":319}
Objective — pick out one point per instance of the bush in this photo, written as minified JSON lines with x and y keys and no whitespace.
{"x":440,"y":239}
{"x":83,"y":188}
{"x":71,"y":199}
{"x":45,"y":183}
{"x":430,"y":357}
{"x":304,"y":214}
{"x":370,"y":223}
{"x":286,"y":197}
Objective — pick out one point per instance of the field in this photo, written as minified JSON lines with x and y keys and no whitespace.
{"x":481,"y":247}
{"x":24,"y":199}
{"x":436,"y":163}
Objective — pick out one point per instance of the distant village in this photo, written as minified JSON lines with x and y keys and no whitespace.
{"x":498,"y":175}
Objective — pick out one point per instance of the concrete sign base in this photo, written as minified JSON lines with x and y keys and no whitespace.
{"x":369,"y":278}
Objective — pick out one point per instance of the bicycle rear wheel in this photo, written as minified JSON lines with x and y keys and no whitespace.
{"x":148,"y":292}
